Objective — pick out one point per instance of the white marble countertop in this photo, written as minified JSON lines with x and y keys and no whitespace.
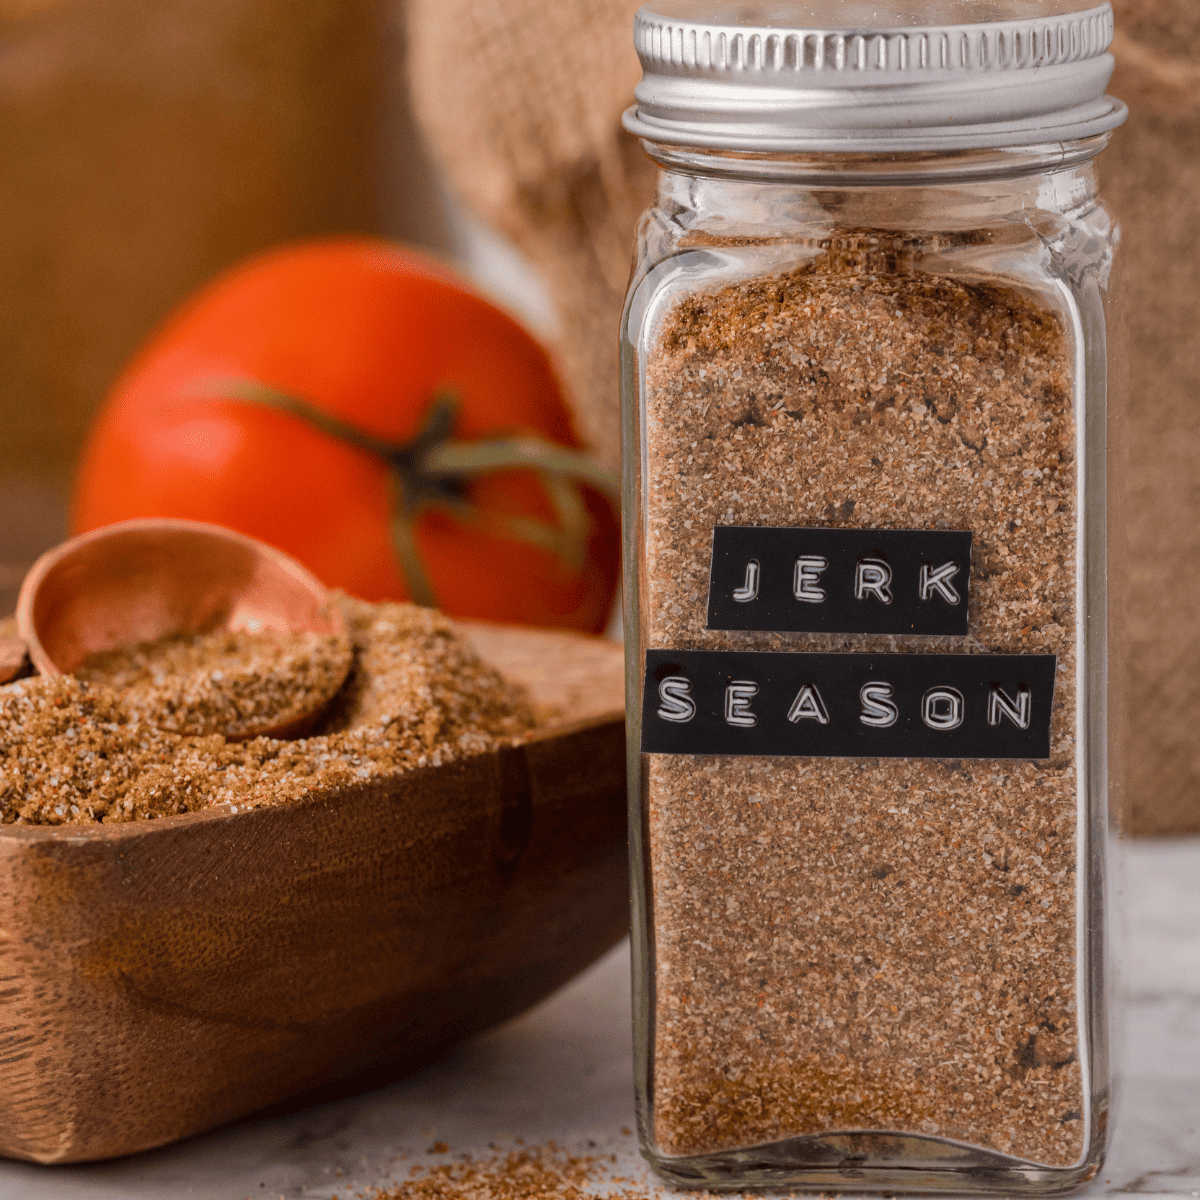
{"x":563,"y":1073}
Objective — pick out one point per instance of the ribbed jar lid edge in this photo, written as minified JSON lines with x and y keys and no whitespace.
{"x":985,"y":85}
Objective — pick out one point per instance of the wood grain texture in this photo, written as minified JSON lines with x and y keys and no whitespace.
{"x":161,"y":977}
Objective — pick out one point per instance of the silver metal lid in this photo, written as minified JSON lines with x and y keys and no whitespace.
{"x":757,"y":78}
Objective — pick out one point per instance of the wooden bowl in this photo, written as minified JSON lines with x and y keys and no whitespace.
{"x":162,"y":977}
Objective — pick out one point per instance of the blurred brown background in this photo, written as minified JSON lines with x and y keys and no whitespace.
{"x":148,"y":143}
{"x":1151,"y":177}
{"x":145,"y":145}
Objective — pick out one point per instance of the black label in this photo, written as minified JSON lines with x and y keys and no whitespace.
{"x":848,"y":705}
{"x":840,"y":580}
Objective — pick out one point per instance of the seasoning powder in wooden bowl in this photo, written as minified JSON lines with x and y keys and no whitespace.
{"x":229,"y":681}
{"x":100,"y":745}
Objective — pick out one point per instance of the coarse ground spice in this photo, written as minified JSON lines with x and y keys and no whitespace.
{"x":528,"y":1173}
{"x":417,"y":696}
{"x":866,"y":944}
{"x":232,"y":682}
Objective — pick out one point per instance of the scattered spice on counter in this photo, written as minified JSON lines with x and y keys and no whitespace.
{"x":870,"y":943}
{"x":417,"y":696}
{"x":233,"y":682}
{"x":529,"y":1173}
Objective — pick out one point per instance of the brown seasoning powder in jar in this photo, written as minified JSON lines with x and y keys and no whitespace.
{"x":873,"y":943}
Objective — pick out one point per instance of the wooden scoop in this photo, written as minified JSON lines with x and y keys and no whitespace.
{"x":12,"y":657}
{"x":142,"y":580}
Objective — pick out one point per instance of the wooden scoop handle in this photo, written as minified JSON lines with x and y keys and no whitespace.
{"x":14,"y":659}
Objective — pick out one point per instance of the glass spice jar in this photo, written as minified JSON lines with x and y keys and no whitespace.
{"x":866,"y":487}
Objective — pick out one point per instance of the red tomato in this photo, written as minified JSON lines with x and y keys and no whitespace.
{"x":369,"y":334}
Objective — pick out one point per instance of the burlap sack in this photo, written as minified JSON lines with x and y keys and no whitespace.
{"x":521,"y":102}
{"x":1151,"y":177}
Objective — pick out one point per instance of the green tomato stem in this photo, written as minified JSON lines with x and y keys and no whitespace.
{"x":426,"y":473}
